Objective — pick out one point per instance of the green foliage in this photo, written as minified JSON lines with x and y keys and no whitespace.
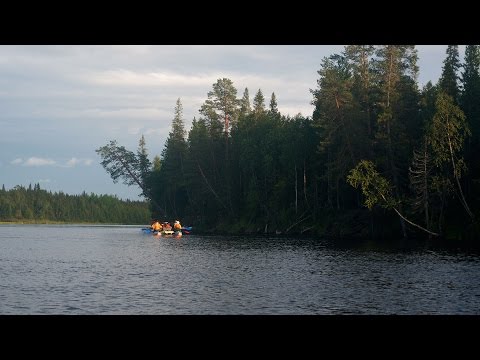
{"x":120,"y":163}
{"x":169,"y":182}
{"x":273,"y":104}
{"x":251,"y":168}
{"x":37,"y":205}
{"x":245,"y":107}
{"x":470,"y":105}
{"x":259,"y":104}
{"x":448,"y":132}
{"x":471,"y":89}
{"x":449,"y":79}
{"x":221,"y":106}
{"x":341,"y":127}
{"x":375,"y":188}
{"x":144,"y":164}
{"x":133,"y":169}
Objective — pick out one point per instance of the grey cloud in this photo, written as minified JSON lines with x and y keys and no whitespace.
{"x":58,"y":100}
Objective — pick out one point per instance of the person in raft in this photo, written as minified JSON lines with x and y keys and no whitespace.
{"x":156,"y":226}
{"x":177,"y":226}
{"x":167,"y":226}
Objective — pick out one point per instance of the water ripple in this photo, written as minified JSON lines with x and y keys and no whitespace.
{"x":119,"y":270}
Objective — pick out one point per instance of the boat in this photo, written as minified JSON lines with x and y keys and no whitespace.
{"x":186,"y":229}
{"x":168,"y":233}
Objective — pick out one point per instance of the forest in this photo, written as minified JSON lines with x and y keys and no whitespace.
{"x":35,"y":205}
{"x":378,"y":158}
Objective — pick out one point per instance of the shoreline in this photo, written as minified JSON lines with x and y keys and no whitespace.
{"x":48,"y":222}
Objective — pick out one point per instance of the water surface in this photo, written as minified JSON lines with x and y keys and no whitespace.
{"x":55,"y":269}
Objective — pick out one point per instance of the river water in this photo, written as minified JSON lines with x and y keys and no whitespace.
{"x":69,"y":269}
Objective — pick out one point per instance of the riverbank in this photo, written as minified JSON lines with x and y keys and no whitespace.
{"x":50,"y":222}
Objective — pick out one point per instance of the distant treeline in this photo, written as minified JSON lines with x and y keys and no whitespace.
{"x":33,"y":204}
{"x":374,"y":140}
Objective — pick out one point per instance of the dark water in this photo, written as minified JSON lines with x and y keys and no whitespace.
{"x":118,"y":270}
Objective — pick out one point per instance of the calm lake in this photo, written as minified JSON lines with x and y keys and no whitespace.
{"x":68,"y":269}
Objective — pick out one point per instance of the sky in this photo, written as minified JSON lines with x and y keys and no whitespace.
{"x":59,"y":103}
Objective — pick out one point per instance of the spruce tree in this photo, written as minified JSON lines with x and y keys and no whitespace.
{"x":245,"y":108}
{"x":273,"y":104}
{"x":470,"y":104}
{"x":396,"y":69}
{"x":449,"y":79}
{"x":172,"y":171}
{"x":259,"y":104}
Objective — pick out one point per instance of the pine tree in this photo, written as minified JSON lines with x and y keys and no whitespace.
{"x":470,"y":104}
{"x":359,"y":57}
{"x":471,"y":88}
{"x":178,"y":127}
{"x":449,"y":79}
{"x":222,"y":104}
{"x":273,"y":104}
{"x":396,"y":65}
{"x":259,"y":104}
{"x":343,"y":137}
{"x":157,"y":163}
{"x":124,"y":164}
{"x":174,"y":154}
{"x":144,"y":163}
{"x":245,"y":108}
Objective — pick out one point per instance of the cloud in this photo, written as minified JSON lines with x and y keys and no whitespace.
{"x":137,"y":78}
{"x":74,"y":161}
{"x":135,"y":130}
{"x":61,"y":100}
{"x":157,"y":131}
{"x":35,"y":161}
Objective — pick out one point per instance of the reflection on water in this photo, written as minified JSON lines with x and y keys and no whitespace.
{"x":119,"y":270}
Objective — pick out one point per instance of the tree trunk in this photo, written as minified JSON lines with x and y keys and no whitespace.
{"x":296,"y":190}
{"x":329,"y":182}
{"x":425,"y":185}
{"x":345,"y":132}
{"x":210,"y":187}
{"x":394,"y":175}
{"x":462,"y":198}
{"x":411,"y":223}
{"x":417,"y":226}
{"x":305,"y":182}
{"x":338,"y":194}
